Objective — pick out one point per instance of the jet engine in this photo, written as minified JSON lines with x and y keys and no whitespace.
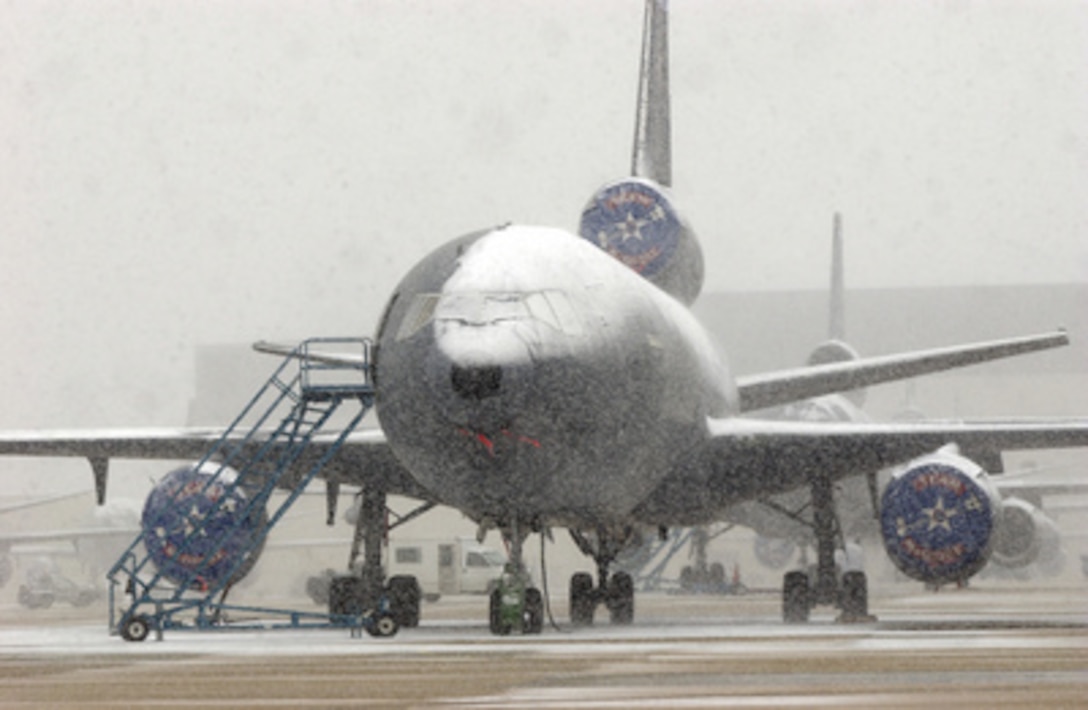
{"x":200,"y":531}
{"x":774,"y":552}
{"x":939,"y":516}
{"x":1025,"y":535}
{"x":636,"y":221}
{"x":832,"y":351}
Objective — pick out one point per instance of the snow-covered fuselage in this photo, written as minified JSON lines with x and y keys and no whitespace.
{"x":523,"y":371}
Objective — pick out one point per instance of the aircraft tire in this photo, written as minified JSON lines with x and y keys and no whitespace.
{"x":317,"y":588}
{"x":717,"y":578}
{"x":534,"y":611}
{"x":495,"y":621}
{"x":621,"y":599}
{"x":404,"y":597}
{"x":582,"y":601}
{"x":855,"y":595}
{"x":795,"y":598}
{"x":348,"y":596}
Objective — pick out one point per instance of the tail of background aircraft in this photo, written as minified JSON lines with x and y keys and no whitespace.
{"x":635,"y":219}
{"x":835,"y":348}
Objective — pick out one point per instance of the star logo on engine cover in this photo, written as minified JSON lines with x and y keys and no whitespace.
{"x":938,"y":516}
{"x":635,"y":222}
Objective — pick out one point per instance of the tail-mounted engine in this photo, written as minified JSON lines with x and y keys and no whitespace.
{"x":199,"y":531}
{"x":635,"y":221}
{"x":938,"y":518}
{"x":834,"y":350}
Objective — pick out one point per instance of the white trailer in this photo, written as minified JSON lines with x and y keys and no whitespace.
{"x":450,"y":566}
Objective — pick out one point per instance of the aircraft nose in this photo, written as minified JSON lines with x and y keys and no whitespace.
{"x":472,"y":392}
{"x":476,"y":382}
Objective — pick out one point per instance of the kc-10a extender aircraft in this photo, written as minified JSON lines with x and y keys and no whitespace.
{"x":538,"y":379}
{"x":1027,"y":539}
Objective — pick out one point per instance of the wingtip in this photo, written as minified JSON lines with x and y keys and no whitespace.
{"x":264,"y":346}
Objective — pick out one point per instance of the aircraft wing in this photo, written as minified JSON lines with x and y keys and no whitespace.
{"x":785,"y":386}
{"x":8,"y":540}
{"x":744,"y":459}
{"x":364,"y":458}
{"x":306,"y":353}
{"x":1038,"y":485}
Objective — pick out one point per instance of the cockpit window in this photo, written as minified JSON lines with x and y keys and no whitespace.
{"x":420,"y":313}
{"x":476,"y":308}
{"x":551,"y":308}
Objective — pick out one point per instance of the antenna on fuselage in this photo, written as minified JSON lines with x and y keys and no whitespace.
{"x":652,"y":155}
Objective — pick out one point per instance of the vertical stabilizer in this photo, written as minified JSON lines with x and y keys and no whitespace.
{"x":835,"y":348}
{"x":837,"y":322}
{"x":635,"y":219}
{"x":652,"y":156}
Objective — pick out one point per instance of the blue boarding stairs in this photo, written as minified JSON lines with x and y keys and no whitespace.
{"x":205,"y":527}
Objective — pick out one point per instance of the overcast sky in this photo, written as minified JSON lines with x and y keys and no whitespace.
{"x":180,"y":173}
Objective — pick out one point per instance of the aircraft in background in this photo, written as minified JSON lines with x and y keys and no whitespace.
{"x":95,"y":545}
{"x":9,"y":542}
{"x":1027,"y":537}
{"x":534,"y":379}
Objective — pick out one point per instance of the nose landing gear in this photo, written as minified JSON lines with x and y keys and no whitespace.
{"x":514,"y":604}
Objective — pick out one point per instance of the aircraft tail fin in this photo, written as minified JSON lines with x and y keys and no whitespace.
{"x":835,"y":348}
{"x":652,"y":155}
{"x":635,"y":219}
{"x":836,"y":327}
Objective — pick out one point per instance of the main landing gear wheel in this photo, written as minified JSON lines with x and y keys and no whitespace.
{"x":621,"y":599}
{"x":796,"y":602}
{"x":404,"y":596}
{"x":582,"y":600}
{"x":135,"y":628}
{"x":854,"y":599}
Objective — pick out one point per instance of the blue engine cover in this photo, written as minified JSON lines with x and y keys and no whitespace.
{"x":636,"y":222}
{"x":938,"y":517}
{"x":197,"y":533}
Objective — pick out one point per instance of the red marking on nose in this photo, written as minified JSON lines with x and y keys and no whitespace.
{"x":488,"y":443}
{"x":535,"y":443}
{"x":480,"y":437}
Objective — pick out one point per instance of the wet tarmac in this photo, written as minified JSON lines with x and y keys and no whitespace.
{"x":998,"y":645}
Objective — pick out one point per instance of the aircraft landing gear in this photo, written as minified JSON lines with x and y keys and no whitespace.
{"x":851,"y":598}
{"x":849,"y":594}
{"x":366,"y":586}
{"x":514,"y":604}
{"x":616,"y":593}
